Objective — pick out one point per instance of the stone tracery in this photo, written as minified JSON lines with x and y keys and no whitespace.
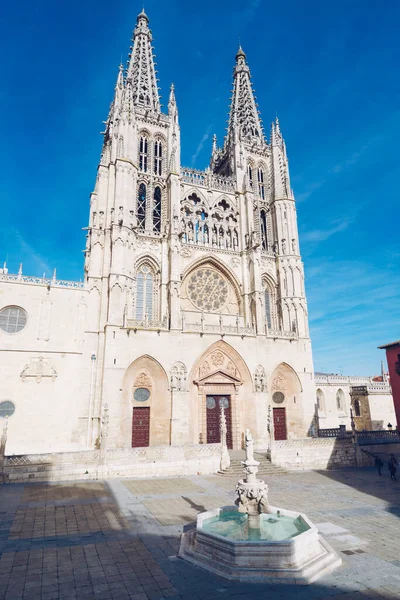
{"x":207,"y":289}
{"x":214,"y":225}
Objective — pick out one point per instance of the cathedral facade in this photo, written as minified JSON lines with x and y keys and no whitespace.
{"x":193,"y":297}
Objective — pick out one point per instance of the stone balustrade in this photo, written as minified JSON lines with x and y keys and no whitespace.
{"x":147,"y":324}
{"x":46,"y":281}
{"x":207,"y":179}
{"x":334,"y":432}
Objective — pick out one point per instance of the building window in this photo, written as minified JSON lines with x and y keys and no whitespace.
{"x":141,"y":207}
{"x":144,"y":293}
{"x":143,"y":153}
{"x":157,"y":157}
{"x":157,"y":210}
{"x":357,"y":411}
{"x":12,"y":319}
{"x":264,"y":239}
{"x":261,"y":189}
{"x":141,"y":394}
{"x":340,"y":400}
{"x":320,"y":401}
{"x":250,"y":175}
{"x":268,"y":312}
{"x":7,"y":409}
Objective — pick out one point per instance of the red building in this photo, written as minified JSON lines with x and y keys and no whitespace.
{"x":393,"y":361}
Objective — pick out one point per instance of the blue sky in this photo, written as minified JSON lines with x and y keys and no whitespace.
{"x":329,"y":70}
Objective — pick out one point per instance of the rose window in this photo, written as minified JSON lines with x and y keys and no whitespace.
{"x":208,"y":290}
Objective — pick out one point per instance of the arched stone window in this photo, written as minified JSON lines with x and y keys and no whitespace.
{"x":145,"y":293}
{"x":340,"y":400}
{"x":357,"y":411}
{"x":250,"y":174}
{"x":268,"y":313}
{"x":320,"y":401}
{"x":269,"y":304}
{"x":157,"y":157}
{"x":261,"y":188}
{"x":157,"y":210}
{"x":141,"y":207}
{"x":263,"y":223}
{"x":143,"y":153}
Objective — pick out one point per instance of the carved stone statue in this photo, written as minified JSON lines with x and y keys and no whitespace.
{"x":249,"y":446}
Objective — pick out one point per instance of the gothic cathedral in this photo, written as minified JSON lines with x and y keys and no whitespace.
{"x":193,"y":298}
{"x":195,"y":277}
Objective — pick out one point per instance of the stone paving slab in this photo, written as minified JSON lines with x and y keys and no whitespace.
{"x":119,"y":539}
{"x":144,"y":487}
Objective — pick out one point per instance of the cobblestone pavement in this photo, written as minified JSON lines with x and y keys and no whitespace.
{"x":118,"y":539}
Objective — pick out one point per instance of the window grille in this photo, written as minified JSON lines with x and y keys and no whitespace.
{"x":157,"y":210}
{"x":144,"y":293}
{"x":264,"y":238}
{"x":141,"y":207}
{"x":12,"y":319}
{"x":157,"y":157}
{"x":261,"y":189}
{"x":143,"y":154}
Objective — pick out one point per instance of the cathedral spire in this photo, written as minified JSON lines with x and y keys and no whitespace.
{"x":244,"y":118}
{"x":141,"y":69}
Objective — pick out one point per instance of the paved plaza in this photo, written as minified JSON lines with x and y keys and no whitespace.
{"x":118,"y":539}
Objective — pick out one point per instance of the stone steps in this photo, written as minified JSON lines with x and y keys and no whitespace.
{"x":265,"y":468}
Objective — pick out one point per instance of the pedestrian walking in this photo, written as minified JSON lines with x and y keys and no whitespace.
{"x":378,"y":464}
{"x":392,"y":467}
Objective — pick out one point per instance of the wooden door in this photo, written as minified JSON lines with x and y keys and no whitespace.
{"x":214,"y":404}
{"x":141,"y":427}
{"x":280,"y":423}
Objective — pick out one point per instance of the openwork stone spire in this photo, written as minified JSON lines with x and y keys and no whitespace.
{"x":141,"y":70}
{"x":244,"y":116}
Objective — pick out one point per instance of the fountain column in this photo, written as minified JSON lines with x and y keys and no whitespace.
{"x":252,"y":492}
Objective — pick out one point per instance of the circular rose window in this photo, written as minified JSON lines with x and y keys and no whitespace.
{"x":141,"y":394}
{"x":278,"y":397}
{"x":208,"y":290}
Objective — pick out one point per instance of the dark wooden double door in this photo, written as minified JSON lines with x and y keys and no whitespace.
{"x":280,"y":423}
{"x":141,"y":427}
{"x":213,"y":410}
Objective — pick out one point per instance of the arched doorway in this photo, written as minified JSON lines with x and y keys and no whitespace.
{"x":286,"y":403}
{"x":147,"y":404}
{"x":221,"y":380}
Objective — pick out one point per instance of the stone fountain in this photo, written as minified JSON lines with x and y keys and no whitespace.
{"x":254,"y":541}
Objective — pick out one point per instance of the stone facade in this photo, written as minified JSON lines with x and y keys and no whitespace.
{"x":193,"y":292}
{"x":371,"y":402}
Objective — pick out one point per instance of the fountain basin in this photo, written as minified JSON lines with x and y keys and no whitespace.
{"x":292,"y":551}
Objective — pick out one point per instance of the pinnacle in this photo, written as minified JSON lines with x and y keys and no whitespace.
{"x":240,"y":53}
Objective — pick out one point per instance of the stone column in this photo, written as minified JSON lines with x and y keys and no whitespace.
{"x":225,"y":458}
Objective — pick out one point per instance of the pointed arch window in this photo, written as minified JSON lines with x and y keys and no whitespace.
{"x":269,"y":305}
{"x":143,"y":153}
{"x":357,"y":410}
{"x":320,"y":401}
{"x":263,"y":223}
{"x":157,"y":157}
{"x":157,"y":210}
{"x":261,"y":189}
{"x":250,"y":175}
{"x":141,"y":207}
{"x":340,"y":400}
{"x":144,"y":293}
{"x":268,"y":312}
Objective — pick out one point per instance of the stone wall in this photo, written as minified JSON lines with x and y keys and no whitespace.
{"x":156,"y":461}
{"x":316,"y":453}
